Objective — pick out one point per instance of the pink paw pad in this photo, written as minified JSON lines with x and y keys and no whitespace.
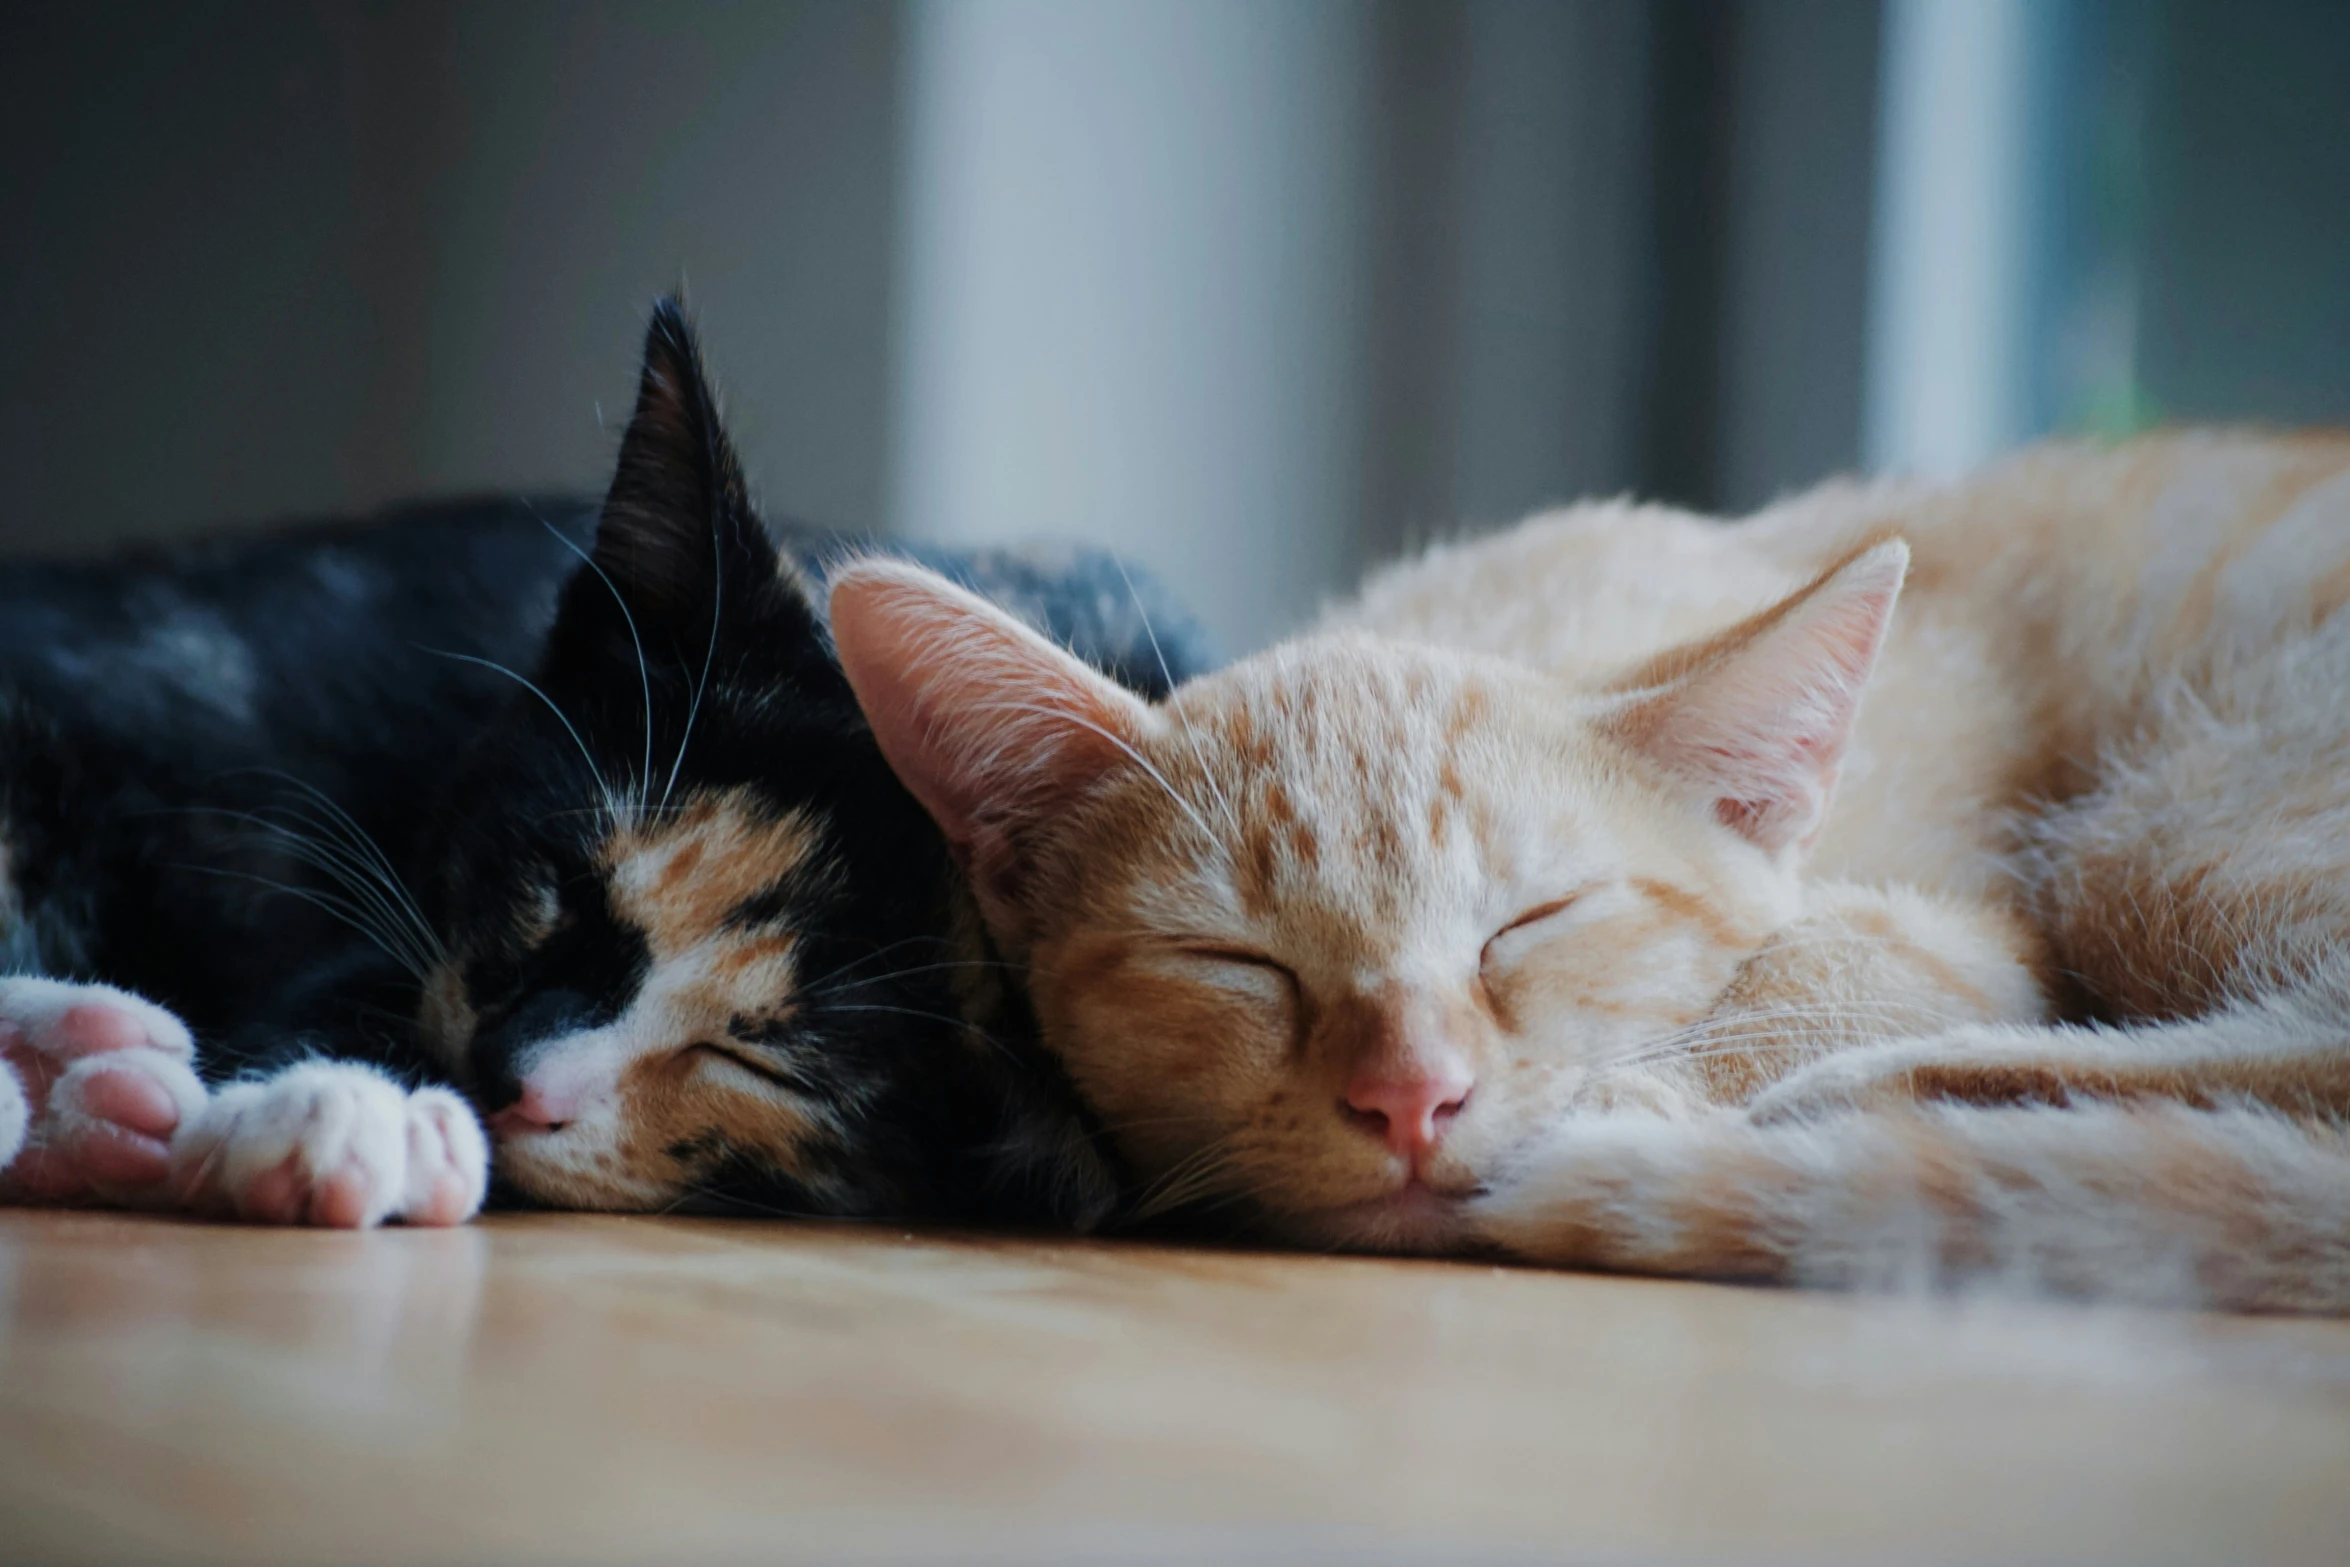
{"x":106,"y":1081}
{"x":106,"y":1129}
{"x":289,"y":1193}
{"x":95,"y":1028}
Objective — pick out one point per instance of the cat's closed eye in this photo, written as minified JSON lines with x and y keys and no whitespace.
{"x":1238,"y":971}
{"x":738,"y":1059}
{"x":1526,"y":931}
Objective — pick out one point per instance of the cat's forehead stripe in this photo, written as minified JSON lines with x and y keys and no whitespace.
{"x":684,"y":876}
{"x":1328,"y":765}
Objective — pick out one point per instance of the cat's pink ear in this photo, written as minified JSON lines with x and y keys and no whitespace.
{"x":989,"y":725}
{"x":1759,"y":717}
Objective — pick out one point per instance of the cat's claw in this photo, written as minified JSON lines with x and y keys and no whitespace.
{"x":104,"y":1083}
{"x":333,"y":1144}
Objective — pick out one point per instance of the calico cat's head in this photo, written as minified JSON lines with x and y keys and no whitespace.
{"x":1330,"y":934}
{"x":700,"y":943}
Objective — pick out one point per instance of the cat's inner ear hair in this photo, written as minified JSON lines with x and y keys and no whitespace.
{"x":989,"y":725}
{"x":1758,"y":717}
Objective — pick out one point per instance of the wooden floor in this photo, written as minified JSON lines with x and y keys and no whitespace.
{"x":560,"y":1389}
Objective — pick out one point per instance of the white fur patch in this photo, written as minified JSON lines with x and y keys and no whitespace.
{"x":332,"y":1142}
{"x":14,"y":1114}
{"x":83,"y":1032}
{"x":68,"y":1121}
{"x":39,"y":1008}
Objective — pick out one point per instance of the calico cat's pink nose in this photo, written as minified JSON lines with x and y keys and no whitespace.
{"x":536,"y":1111}
{"x":1408,"y":1108}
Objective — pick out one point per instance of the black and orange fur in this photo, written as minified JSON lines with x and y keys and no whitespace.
{"x":365,"y":791}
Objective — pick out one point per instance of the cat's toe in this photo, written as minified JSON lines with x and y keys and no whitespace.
{"x":104,"y":1128}
{"x":448,"y":1160}
{"x":111,"y":1118}
{"x":105,"y":1083}
{"x":323,"y":1143}
{"x":62,"y":1021}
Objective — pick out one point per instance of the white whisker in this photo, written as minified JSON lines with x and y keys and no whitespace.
{"x":1191,"y":736}
{"x":611,"y":801}
{"x":644,"y":673}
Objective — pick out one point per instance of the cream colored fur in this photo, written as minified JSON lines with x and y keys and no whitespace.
{"x":2032,"y":965}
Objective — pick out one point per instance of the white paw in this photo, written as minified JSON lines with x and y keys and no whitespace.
{"x":448,"y":1159}
{"x":108,"y":1124}
{"x":15,"y":1111}
{"x":105,"y":1084}
{"x":335,"y":1144}
{"x":63,"y":1021}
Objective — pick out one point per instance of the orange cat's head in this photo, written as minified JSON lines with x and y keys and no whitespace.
{"x":1333,"y":932}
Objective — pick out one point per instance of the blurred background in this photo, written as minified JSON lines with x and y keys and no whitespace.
{"x":1254,"y":291}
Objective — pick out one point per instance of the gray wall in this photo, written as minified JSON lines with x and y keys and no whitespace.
{"x":1251,"y":292}
{"x":1612,"y":247}
{"x":1801,"y":108}
{"x":282,"y":258}
{"x":1131,"y":307}
{"x":2245,"y":256}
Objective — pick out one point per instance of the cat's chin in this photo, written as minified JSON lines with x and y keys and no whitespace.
{"x":1414,"y":1219}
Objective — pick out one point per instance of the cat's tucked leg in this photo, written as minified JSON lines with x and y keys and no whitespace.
{"x":1865,"y":966}
{"x":335,"y":1144}
{"x":2284,"y":1051}
{"x":2240,"y":1208}
{"x":2203,"y":886}
{"x":106,"y":1081}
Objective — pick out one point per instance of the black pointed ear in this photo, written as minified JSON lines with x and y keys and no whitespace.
{"x":678,"y":544}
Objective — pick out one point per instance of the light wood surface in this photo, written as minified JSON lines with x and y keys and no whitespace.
{"x":570,"y":1389}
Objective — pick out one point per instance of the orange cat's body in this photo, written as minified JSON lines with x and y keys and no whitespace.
{"x":1512,"y":911}
{"x":2053,"y":605}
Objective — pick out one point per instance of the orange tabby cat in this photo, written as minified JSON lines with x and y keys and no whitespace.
{"x":1510,"y":912}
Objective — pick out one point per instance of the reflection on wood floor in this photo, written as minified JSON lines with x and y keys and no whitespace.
{"x":573,"y":1389}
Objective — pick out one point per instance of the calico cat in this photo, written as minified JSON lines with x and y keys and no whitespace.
{"x":659,"y":909}
{"x":1561,"y":898}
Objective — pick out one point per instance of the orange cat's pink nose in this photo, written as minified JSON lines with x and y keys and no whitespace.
{"x":1408,"y":1109}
